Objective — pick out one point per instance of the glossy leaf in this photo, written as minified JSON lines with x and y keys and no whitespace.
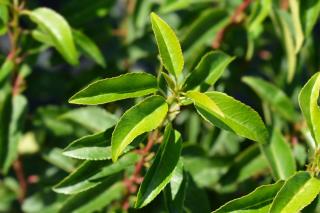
{"x":95,"y":147}
{"x":169,"y":46}
{"x":139,"y":119}
{"x":161,"y":171}
{"x":297,"y":192}
{"x":129,"y":85}
{"x":308,"y":101}
{"x":209,"y":70}
{"x":282,"y":165}
{"x":92,"y":173}
{"x":272,"y":95}
{"x":93,"y":118}
{"x":94,"y":199}
{"x":257,"y":201}
{"x":58,"y":30}
{"x":227,"y":113}
{"x":88,"y":47}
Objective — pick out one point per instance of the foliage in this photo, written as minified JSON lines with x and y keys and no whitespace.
{"x":192,"y":106}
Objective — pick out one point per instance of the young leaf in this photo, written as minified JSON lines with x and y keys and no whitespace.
{"x":168,"y":44}
{"x":57,"y":29}
{"x":92,"y":173}
{"x":256,"y":201}
{"x":272,"y":95}
{"x":308,"y":101}
{"x":209,"y":70}
{"x":88,"y":47}
{"x":93,"y":118}
{"x":282,"y":165}
{"x":129,"y":85}
{"x":161,"y":171}
{"x":5,"y":70}
{"x":297,"y":192}
{"x":227,"y":113}
{"x":141,"y":118}
{"x":4,"y":18}
{"x":94,"y":199}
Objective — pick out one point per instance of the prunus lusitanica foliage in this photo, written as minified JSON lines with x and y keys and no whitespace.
{"x":159,"y":106}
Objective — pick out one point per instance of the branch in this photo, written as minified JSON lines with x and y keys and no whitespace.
{"x":18,"y":168}
{"x":236,"y":18}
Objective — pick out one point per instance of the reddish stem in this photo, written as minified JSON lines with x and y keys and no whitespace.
{"x":18,"y":168}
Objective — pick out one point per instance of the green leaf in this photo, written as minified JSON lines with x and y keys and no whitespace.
{"x":208,"y":71}
{"x":55,"y":157}
{"x":169,"y":46}
{"x":281,"y":19}
{"x":93,"y":118}
{"x":282,"y":165}
{"x":161,"y":171}
{"x":175,"y":193}
{"x":246,"y":164}
{"x":295,"y":14}
{"x":5,"y":116}
{"x":308,"y":101}
{"x":297,"y":192}
{"x":227,"y":113}
{"x":5,"y":70}
{"x":259,"y":14}
{"x":4,"y":18}
{"x":88,"y":47}
{"x":255,"y":201}
{"x":94,"y":199}
{"x":19,"y":106}
{"x":91,"y":147}
{"x":139,"y":119}
{"x":94,"y":147}
{"x":275,"y":97}
{"x":129,"y":85}
{"x":92,"y":173}
{"x":309,"y":11}
{"x":57,"y":29}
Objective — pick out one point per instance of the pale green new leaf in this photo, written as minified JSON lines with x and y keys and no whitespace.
{"x":92,"y":173}
{"x":282,"y":165}
{"x":259,"y":14}
{"x":57,"y":29}
{"x":94,"y":199}
{"x":161,"y":171}
{"x":208,"y":71}
{"x":257,"y":201}
{"x":274,"y":96}
{"x":141,"y":118}
{"x":295,"y":14}
{"x":107,"y":90}
{"x":88,"y":47}
{"x":297,"y":192}
{"x":168,"y":45}
{"x":92,"y":118}
{"x":308,"y":101}
{"x":227,"y":113}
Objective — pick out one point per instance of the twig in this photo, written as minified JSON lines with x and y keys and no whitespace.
{"x":132,"y":182}
{"x":236,"y":18}
{"x":18,"y":168}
